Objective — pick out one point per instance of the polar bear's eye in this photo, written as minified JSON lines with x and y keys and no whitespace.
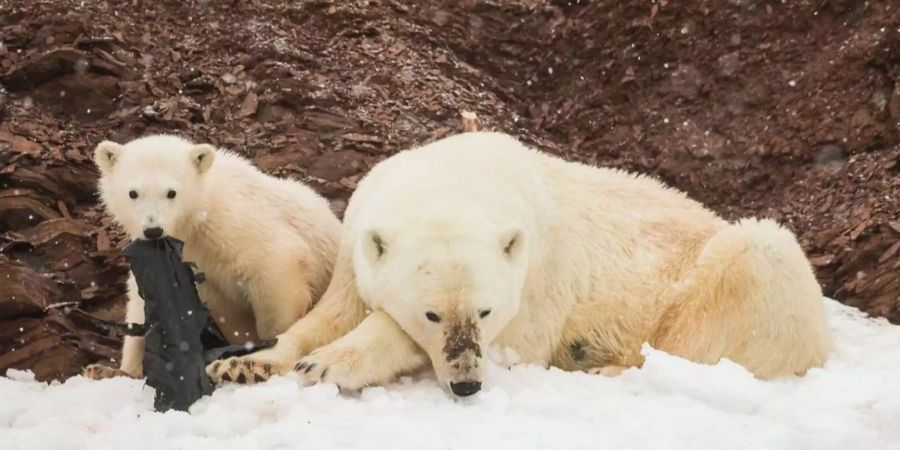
{"x":133,"y":194}
{"x":484,"y":313}
{"x":171,"y":194}
{"x":432,"y":317}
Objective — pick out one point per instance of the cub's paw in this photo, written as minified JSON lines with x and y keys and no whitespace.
{"x":100,"y":372}
{"x":241,"y":369}
{"x":345,"y":367}
{"x":608,"y":371}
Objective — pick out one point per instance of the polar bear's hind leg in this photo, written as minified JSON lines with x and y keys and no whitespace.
{"x":752,"y":298}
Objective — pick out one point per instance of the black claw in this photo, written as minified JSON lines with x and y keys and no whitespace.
{"x":248,"y":364}
{"x":300,"y":366}
{"x":233,"y":363}
{"x":216,"y":365}
{"x":257,"y":378}
{"x":267,"y":368}
{"x":324,"y":372}
{"x":309,"y":368}
{"x":242,"y":379}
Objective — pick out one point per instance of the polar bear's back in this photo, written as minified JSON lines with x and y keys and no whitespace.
{"x":495,"y":177}
{"x":460,"y":161}
{"x":489,"y":175}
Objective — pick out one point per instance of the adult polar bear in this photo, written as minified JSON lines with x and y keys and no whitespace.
{"x":476,"y":240}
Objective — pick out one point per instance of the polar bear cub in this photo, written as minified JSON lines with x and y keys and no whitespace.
{"x":267,"y":245}
{"x":475,"y":241}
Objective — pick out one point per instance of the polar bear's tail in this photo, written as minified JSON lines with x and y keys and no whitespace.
{"x":752,"y":298}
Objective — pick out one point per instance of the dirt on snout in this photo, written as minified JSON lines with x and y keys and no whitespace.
{"x":789,"y":110}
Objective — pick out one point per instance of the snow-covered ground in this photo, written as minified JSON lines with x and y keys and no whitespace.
{"x":853,"y":403}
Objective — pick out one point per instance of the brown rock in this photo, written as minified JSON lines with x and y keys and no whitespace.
{"x":83,"y":97}
{"x":249,"y":106}
{"x":23,"y":292}
{"x":50,"y":229}
{"x":73,"y":180}
{"x":729,"y":63}
{"x":23,"y":208}
{"x":44,"y":67}
{"x":685,"y":81}
{"x":19,"y":144}
{"x":894,"y":106}
{"x":337,"y":165}
{"x":43,"y":346}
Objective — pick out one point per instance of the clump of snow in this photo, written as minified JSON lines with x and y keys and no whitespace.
{"x":854,"y":402}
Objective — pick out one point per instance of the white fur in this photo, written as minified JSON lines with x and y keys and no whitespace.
{"x":602,"y":261}
{"x":267,"y":245}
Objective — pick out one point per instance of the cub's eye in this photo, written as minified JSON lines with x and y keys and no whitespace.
{"x":484,"y":313}
{"x":133,"y":194}
{"x":432,"y":317}
{"x":171,"y":194}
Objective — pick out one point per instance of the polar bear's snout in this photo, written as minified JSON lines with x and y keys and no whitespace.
{"x":464,"y":372}
{"x":152,"y":227}
{"x":462,"y":358}
{"x":153,"y":232}
{"x":465,"y":388}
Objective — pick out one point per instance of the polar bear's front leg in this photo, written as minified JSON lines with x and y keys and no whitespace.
{"x":338,"y":312}
{"x":133,"y":348}
{"x":374,"y":353}
{"x":281,"y":302}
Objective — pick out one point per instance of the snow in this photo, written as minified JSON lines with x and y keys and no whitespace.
{"x":854,"y":402}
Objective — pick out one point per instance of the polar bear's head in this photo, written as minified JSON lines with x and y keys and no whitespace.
{"x":452,"y":291}
{"x":152,"y":184}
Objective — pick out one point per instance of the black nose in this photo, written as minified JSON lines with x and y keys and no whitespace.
{"x":153,"y":233}
{"x":465,"y":388}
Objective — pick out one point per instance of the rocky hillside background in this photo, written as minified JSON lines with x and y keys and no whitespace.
{"x":788,"y":110}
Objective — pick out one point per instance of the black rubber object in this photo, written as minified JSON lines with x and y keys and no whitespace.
{"x":180,"y":337}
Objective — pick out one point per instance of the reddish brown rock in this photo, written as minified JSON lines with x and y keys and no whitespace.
{"x":337,"y":165}
{"x":24,"y":292}
{"x":54,"y":348}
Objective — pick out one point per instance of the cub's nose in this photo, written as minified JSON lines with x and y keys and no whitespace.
{"x":153,"y":233}
{"x":465,"y":388}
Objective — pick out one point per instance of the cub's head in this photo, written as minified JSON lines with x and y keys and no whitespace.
{"x":452,"y":292}
{"x":150,"y":185}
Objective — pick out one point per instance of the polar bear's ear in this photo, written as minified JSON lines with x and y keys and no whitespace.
{"x":511,"y":242}
{"x":374,"y":244}
{"x":106,"y":154}
{"x":202,"y":156}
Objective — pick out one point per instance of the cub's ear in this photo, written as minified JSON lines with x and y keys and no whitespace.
{"x":511,"y":242}
{"x":374,"y":244}
{"x":202,"y":156}
{"x":106,"y":154}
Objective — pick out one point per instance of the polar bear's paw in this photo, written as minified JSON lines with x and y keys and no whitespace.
{"x":101,"y":372}
{"x":341,"y":365}
{"x":608,"y":371}
{"x":243,"y":370}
